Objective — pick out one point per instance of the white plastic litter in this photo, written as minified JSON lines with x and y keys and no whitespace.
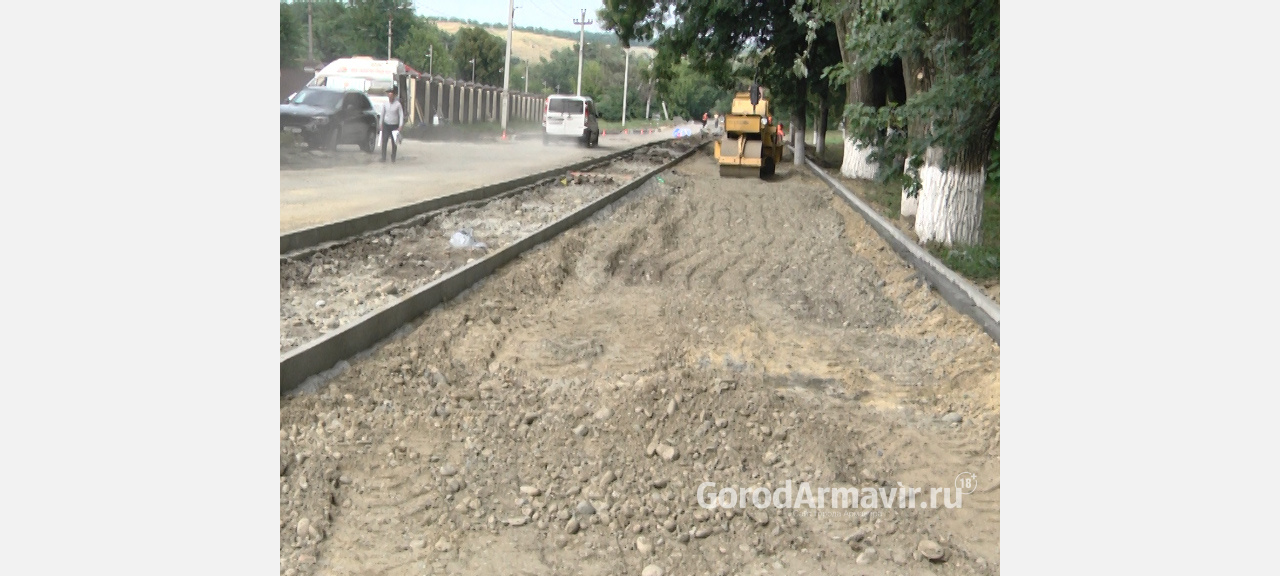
{"x":464,"y":239}
{"x":395,"y":135}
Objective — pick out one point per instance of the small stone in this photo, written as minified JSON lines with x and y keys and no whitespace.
{"x":530,"y":490}
{"x":585,"y":508}
{"x":770,"y":458}
{"x":604,"y":414}
{"x":520,"y":521}
{"x":320,"y":303}
{"x":443,"y":545}
{"x":306,"y":559}
{"x":898,"y":556}
{"x":651,"y":570}
{"x":579,"y":411}
{"x":669,"y":525}
{"x":759,"y":517}
{"x":448,"y":470}
{"x":930,"y":549}
{"x":581,"y":430}
{"x":572,"y":527}
{"x":644,"y":545}
{"x":683,"y":537}
{"x":703,"y":532}
{"x":667,"y":453}
{"x":866,"y":556}
{"x":417,"y":544}
{"x":608,"y":478}
{"x":952,"y":418}
{"x":721,"y":422}
{"x":303,"y":527}
{"x":660,"y":483}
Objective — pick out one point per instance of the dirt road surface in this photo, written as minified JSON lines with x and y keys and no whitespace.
{"x":560,"y":417}
{"x":321,"y":187}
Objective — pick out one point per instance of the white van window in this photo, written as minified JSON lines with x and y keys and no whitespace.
{"x":565,"y":105}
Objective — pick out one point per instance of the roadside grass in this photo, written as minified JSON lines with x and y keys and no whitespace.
{"x":979,"y":263}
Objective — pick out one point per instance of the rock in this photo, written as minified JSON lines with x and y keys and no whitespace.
{"x":389,"y":288}
{"x":417,"y":544}
{"x":770,"y":458}
{"x":581,"y":430}
{"x":721,"y":422}
{"x":320,"y":303}
{"x":304,"y":526}
{"x":585,"y":508}
{"x":703,"y":429}
{"x":898,"y":556}
{"x":530,"y":490}
{"x":759,"y":517}
{"x":660,"y":483}
{"x":703,"y":532}
{"x":651,"y":570}
{"x":604,"y":414}
{"x":579,"y":411}
{"x":683,"y":537}
{"x":608,"y":478}
{"x":644,"y":545}
{"x":306,"y":559}
{"x":572,"y":527}
{"x":520,"y":521}
{"x":669,"y":525}
{"x":448,"y":470}
{"x":952,"y":418}
{"x":930,"y":549}
{"x":866,"y":556}
{"x":443,"y":545}
{"x":667,"y":453}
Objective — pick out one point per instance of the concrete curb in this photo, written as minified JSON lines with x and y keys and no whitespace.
{"x":335,"y":231}
{"x":962,"y":294}
{"x":325,"y":352}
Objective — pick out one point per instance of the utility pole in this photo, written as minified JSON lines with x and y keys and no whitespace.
{"x":526,"y":78}
{"x":388,"y":36}
{"x":582,"y":37}
{"x":625,"y":68}
{"x":311,"y":57}
{"x":506,"y":69}
{"x":431,"y":60}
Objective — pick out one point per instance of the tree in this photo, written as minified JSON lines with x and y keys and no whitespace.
{"x":488,"y":51}
{"x":425,"y":38}
{"x":949,"y":53}
{"x":292,"y":37}
{"x":365,"y":25}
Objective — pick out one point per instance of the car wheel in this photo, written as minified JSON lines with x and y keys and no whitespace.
{"x":334,"y":136}
{"x":371,"y":143}
{"x":595,"y":139}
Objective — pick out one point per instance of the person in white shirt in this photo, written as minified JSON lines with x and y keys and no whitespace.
{"x":392,"y":119}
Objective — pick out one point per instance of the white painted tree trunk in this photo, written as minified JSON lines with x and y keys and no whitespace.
{"x":950,"y":206}
{"x":909,"y":203}
{"x":857,"y":159}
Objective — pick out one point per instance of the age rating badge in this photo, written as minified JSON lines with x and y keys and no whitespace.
{"x":966,"y":482}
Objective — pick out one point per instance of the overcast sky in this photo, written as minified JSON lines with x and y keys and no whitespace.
{"x":549,"y":14}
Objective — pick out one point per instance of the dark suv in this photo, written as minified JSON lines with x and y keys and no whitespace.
{"x":326,"y":118}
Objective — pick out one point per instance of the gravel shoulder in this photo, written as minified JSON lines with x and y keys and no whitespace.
{"x":559,"y":417}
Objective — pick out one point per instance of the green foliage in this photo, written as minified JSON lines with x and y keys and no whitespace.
{"x":293,"y":37}
{"x":424,"y":37}
{"x":488,"y":52}
{"x":602,"y":71}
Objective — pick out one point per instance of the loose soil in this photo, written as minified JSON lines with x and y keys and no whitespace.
{"x":559,"y":417}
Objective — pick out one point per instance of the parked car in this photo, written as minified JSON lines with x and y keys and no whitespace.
{"x":326,"y":118}
{"x":570,"y":116}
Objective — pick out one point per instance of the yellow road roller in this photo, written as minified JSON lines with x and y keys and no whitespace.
{"x":750,"y":146}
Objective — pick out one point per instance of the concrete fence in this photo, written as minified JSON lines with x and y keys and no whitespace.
{"x":453,"y":100}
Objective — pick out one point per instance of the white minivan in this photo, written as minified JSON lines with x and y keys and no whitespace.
{"x":570,"y":117}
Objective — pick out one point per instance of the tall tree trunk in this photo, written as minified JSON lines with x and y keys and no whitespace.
{"x":857,"y":153}
{"x":820,"y":126}
{"x":950,"y":200}
{"x":916,"y":74}
{"x":798,"y":120}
